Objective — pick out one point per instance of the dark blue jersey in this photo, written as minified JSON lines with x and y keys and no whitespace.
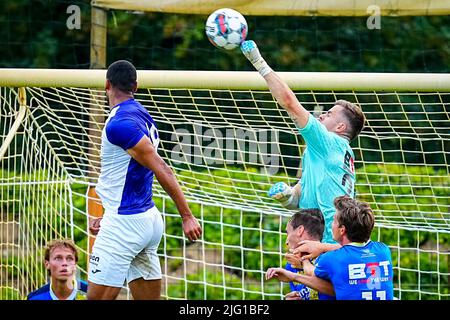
{"x":124,"y":185}
{"x":46,"y":293}
{"x":305,"y":292}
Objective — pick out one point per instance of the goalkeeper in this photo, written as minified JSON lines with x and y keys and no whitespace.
{"x":328,"y":161}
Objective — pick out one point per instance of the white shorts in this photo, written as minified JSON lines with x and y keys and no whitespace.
{"x":126,"y":248}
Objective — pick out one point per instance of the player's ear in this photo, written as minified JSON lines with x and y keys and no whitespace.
{"x":47,"y":264}
{"x":107,"y":85}
{"x":342,"y":230}
{"x":134,"y":88}
{"x":300,"y":230}
{"x":342,"y":127}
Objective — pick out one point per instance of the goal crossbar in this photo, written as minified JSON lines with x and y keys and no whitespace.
{"x":233,"y":80}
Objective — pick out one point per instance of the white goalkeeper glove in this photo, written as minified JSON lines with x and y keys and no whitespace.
{"x":251,"y":52}
{"x":286,"y":195}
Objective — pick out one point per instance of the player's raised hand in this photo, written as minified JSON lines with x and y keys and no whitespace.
{"x":287,"y":196}
{"x":280,"y":191}
{"x":251,"y":52}
{"x":309,"y":249}
{"x":279,"y":273}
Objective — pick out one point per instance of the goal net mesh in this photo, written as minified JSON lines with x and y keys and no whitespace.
{"x":227,"y":147}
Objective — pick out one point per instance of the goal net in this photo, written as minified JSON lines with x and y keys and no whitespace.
{"x":227,"y":141}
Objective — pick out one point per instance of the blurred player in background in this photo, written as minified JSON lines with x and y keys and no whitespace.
{"x":130,"y":231}
{"x":60,"y":258}
{"x":361,"y":269}
{"x":328,"y":161}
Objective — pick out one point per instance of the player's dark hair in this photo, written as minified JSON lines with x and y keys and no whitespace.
{"x":354,"y":116}
{"x":122,"y":75}
{"x":312,"y":220}
{"x":60,"y":243}
{"x":356,"y":216}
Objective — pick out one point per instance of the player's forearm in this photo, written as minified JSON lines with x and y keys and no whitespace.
{"x":315,"y":283}
{"x":169,"y":183}
{"x":287,"y":99}
{"x":280,"y":90}
{"x":292,"y":201}
{"x":325,"y":247}
{"x":144,"y":153}
{"x":297,"y":191}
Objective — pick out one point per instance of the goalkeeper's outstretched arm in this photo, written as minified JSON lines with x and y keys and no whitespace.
{"x":279,"y":89}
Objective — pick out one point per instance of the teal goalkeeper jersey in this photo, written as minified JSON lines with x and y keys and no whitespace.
{"x":328,"y":171}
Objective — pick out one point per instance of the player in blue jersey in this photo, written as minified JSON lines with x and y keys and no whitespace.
{"x":306,"y":224}
{"x":361,"y":269}
{"x":328,"y":161}
{"x":130,"y":231}
{"x":60,"y":258}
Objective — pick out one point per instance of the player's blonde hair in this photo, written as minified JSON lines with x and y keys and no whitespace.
{"x":60,"y":243}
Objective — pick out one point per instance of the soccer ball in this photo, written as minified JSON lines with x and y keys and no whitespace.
{"x":226,"y":28}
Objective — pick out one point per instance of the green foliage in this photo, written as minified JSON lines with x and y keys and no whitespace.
{"x":205,"y":284}
{"x":34,"y":34}
{"x":418,"y":274}
{"x":417,"y":193}
{"x":414,"y":191}
{"x":42,"y":212}
{"x":381,"y":185}
{"x":9,"y":294}
{"x":420,"y":259}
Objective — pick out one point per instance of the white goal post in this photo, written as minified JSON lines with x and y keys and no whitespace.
{"x":228,"y":142}
{"x":233,"y":80}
